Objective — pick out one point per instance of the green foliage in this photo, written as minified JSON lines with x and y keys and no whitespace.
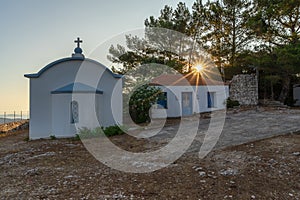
{"x":86,"y":133}
{"x":221,"y":28}
{"x":276,"y":25}
{"x":141,"y":101}
{"x":276,"y":21}
{"x":114,"y":130}
{"x":288,"y":58}
{"x":147,"y":50}
{"x":178,"y":19}
{"x":161,"y":48}
{"x":231,"y":103}
{"x":53,"y":137}
{"x":76,"y":138}
{"x":227,"y":34}
{"x":243,"y":36}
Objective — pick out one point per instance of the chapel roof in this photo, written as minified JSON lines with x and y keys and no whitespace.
{"x":49,"y":66}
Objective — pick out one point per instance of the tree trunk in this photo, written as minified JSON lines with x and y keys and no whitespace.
{"x":233,"y":50}
{"x":285,"y":89}
{"x":272,"y":91}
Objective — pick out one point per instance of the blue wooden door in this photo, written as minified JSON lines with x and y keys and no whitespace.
{"x":187,"y":103}
{"x":210,"y":99}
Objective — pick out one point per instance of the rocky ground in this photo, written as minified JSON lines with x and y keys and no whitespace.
{"x":64,"y":169}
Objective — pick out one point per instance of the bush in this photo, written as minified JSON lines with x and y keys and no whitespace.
{"x":85,"y":133}
{"x":76,"y":138}
{"x":141,"y":101}
{"x":113,"y":130}
{"x":53,"y":137}
{"x":231,"y":103}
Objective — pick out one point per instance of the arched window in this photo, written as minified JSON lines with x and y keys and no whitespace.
{"x":74,"y":112}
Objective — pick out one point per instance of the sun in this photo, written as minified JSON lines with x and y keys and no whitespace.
{"x":198,"y":68}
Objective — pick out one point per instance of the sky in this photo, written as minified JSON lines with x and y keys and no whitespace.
{"x":35,"y":33}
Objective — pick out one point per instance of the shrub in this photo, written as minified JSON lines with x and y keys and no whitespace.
{"x":76,"y":138}
{"x":231,"y":103}
{"x":85,"y":133}
{"x":113,"y":130}
{"x":141,"y":101}
{"x":52,"y":137}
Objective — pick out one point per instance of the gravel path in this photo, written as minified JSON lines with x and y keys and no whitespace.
{"x":239,"y":127}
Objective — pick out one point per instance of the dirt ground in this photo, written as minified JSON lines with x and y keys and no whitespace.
{"x":64,"y":169}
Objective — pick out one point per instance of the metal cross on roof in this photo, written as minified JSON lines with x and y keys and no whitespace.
{"x":78,"y":41}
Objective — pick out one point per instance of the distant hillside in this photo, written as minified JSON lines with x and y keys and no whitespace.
{"x":7,"y":120}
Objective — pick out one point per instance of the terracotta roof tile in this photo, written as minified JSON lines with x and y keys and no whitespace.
{"x":182,"y":80}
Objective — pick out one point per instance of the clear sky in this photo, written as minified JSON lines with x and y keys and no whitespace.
{"x":35,"y":33}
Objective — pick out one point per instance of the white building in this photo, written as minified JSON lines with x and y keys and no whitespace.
{"x":64,"y":96}
{"x":185,"y":96}
{"x":296,"y":93}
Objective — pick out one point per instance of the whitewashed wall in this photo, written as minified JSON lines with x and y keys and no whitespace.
{"x":200,"y":104}
{"x":222,"y":93}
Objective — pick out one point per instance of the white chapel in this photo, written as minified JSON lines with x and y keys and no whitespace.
{"x":73,"y":93}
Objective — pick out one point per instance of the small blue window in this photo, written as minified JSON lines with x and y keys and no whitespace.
{"x":162,"y":100}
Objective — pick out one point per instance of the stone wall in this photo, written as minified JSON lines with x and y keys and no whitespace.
{"x":14,"y":126}
{"x":244,"y":88}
